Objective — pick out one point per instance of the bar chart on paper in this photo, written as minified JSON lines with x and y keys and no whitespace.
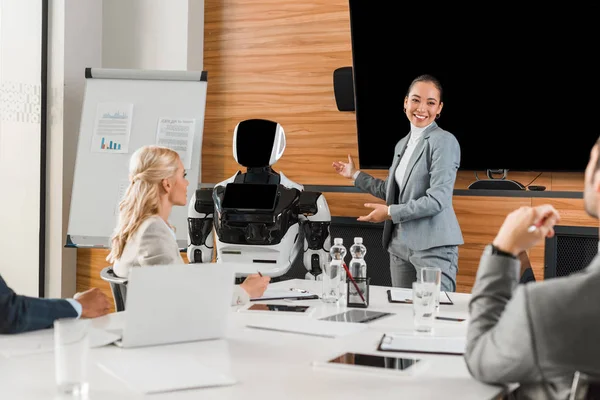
{"x":112,"y":128}
{"x":106,"y":144}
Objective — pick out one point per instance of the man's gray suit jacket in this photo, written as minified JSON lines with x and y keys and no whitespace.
{"x":422,"y":205}
{"x":537,"y":334}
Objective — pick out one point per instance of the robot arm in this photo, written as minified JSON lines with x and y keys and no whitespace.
{"x":316,"y":220}
{"x":200,"y":227}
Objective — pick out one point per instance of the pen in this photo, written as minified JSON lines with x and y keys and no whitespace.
{"x":354,"y":283}
{"x":299,"y":290}
{"x":450,"y":319}
{"x":260,"y":274}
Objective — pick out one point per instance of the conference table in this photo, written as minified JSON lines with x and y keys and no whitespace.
{"x":273,"y":365}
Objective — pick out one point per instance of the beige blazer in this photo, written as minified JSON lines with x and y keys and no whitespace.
{"x":154,"y":243}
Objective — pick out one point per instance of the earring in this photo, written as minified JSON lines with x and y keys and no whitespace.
{"x":405,"y":110}
{"x":437,"y":116}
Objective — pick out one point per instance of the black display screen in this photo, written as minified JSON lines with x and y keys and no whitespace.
{"x":250,"y":196}
{"x":519,"y":88}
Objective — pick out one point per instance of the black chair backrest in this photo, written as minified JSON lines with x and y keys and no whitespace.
{"x":118,"y":287}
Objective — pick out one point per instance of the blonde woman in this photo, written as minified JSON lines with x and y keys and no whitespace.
{"x":143,"y":236}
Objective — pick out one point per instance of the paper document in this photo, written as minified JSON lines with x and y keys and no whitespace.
{"x":36,"y":342}
{"x":146,"y":371}
{"x":178,"y":135}
{"x":112,"y":128}
{"x":414,"y":343}
{"x":405,"y":296}
{"x":312,"y":327}
{"x":285,"y":293}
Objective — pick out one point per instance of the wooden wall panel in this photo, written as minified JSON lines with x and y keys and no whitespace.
{"x":350,"y":204}
{"x":572,"y":212}
{"x":479,"y":219}
{"x":275,"y":60}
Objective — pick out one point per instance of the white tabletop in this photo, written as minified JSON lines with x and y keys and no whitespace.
{"x":279,"y":365}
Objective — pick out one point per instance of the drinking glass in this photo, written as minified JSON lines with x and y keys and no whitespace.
{"x":331,"y":282}
{"x":71,"y":348}
{"x":423,"y":305}
{"x":433,"y":275}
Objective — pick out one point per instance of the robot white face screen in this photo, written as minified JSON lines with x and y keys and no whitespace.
{"x":250,"y":196}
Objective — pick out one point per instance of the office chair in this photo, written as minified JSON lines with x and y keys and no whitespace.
{"x":584,"y":387}
{"x":118,"y":287}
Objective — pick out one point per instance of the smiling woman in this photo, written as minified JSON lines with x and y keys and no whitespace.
{"x":22,"y":144}
{"x":421,"y":228}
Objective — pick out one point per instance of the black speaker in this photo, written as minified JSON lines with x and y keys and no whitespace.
{"x":571,"y":249}
{"x":343,"y":88}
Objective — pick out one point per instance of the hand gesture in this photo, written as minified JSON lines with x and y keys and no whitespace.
{"x":94,"y":303}
{"x":255,"y":285}
{"x":379,"y":213}
{"x":525,"y":227}
{"x":346,"y":170}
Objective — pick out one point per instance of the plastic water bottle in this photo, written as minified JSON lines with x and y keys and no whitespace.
{"x":338,"y":254}
{"x":358,"y":265}
{"x":333,"y":273}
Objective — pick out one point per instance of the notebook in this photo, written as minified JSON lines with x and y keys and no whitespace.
{"x":414,"y":343}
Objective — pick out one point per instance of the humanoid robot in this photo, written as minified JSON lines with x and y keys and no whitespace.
{"x":260,"y":217}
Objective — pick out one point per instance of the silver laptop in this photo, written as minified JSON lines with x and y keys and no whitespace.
{"x":176,"y":303}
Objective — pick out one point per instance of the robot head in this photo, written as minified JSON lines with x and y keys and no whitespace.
{"x":258,"y":143}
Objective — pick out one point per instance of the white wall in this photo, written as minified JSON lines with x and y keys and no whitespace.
{"x":74,"y":43}
{"x":20,"y":141}
{"x":149,"y":34}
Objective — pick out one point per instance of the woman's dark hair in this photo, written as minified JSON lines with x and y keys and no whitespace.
{"x":426,"y":78}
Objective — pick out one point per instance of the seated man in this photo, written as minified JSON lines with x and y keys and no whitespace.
{"x":541,"y":333}
{"x":22,"y":313}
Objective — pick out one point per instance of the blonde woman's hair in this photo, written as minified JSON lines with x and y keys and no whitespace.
{"x":148,"y":166}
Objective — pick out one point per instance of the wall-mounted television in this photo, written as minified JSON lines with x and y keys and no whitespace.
{"x":520,"y":87}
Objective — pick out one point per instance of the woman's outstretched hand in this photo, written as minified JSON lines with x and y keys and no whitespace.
{"x":346,"y":170}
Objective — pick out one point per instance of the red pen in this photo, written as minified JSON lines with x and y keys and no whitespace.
{"x":354,"y":283}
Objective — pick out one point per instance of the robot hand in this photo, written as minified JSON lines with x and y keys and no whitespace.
{"x":317,"y":240}
{"x":200,"y":227}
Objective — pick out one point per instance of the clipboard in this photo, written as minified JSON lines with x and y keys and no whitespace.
{"x":311,"y":297}
{"x":406,"y":343}
{"x":408,"y":300}
{"x":286,"y":294}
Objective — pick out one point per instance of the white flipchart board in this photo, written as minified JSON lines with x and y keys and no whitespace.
{"x":144,"y":99}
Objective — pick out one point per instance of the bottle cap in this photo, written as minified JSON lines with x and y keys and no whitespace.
{"x":358,"y":240}
{"x":338,"y":241}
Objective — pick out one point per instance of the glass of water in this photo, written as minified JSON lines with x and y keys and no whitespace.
{"x":71,"y":348}
{"x":331,"y":281}
{"x":423,"y":305}
{"x":433,"y":275}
